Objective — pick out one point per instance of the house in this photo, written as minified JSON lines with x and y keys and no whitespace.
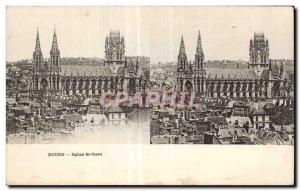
{"x":269,"y":108}
{"x":74,"y":118}
{"x":167,"y":139}
{"x":218,"y":120}
{"x":163,"y":114}
{"x":11,"y":102}
{"x":286,"y":132}
{"x":200,"y":126}
{"x":227,"y":134}
{"x":196,"y":139}
{"x":283,"y":104}
{"x":239,"y":121}
{"x":116,"y":116}
{"x":271,"y":138}
{"x":21,"y":112}
{"x":194,"y":115}
{"x":59,"y":124}
{"x":95,"y":119}
{"x":155,"y":127}
{"x":55,"y":103}
{"x":240,"y":109}
{"x":228,"y":108}
{"x":260,"y":118}
{"x":94,"y":107}
{"x":48,"y":112}
{"x":211,"y":138}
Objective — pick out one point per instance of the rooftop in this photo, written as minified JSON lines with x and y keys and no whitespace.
{"x":231,"y":73}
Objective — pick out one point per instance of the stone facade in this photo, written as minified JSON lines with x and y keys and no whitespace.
{"x":262,"y":78}
{"x":191,"y":76}
{"x":53,"y":78}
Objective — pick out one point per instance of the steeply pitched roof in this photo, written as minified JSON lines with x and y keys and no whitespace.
{"x":258,"y":111}
{"x":270,"y":137}
{"x":85,"y":70}
{"x":199,"y":51}
{"x":114,"y":110}
{"x":54,"y":48}
{"x":95,"y":70}
{"x":182,"y":53}
{"x":269,"y":106}
{"x":11,"y":101}
{"x":230,"y":104}
{"x":229,"y":131}
{"x":265,"y":74}
{"x":241,"y":120}
{"x":231,"y":73}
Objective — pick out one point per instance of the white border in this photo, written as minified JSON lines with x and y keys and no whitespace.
{"x":5,"y":3}
{"x":151,"y":2}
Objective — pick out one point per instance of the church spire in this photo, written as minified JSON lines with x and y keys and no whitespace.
{"x":37,"y":54}
{"x":182,"y":58}
{"x":37,"y":41}
{"x":54,"y":41}
{"x":199,"y":50}
{"x":54,"y":48}
{"x":54,"y":52}
{"x":199,"y":56}
{"x":281,"y":69}
{"x":182,"y":53}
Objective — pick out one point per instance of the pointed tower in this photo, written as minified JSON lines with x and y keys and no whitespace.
{"x":114,"y":49}
{"x":199,"y":56}
{"x":122,"y":46}
{"x":55,"y":66}
{"x":125,"y":68}
{"x":125,"y":65}
{"x":182,"y":58}
{"x":199,"y":69}
{"x":54,"y":52}
{"x":270,"y":64}
{"x":281,"y":69}
{"x":37,"y":54}
{"x":259,"y":52}
{"x":138,"y":68}
{"x":137,"y":65}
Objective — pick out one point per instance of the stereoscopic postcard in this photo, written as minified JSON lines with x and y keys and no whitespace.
{"x":135,"y":95}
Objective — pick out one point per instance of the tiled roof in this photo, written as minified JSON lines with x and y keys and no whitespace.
{"x":113,"y":110}
{"x":230,"y":131}
{"x":85,"y":70}
{"x":258,"y":111}
{"x":120,"y":71}
{"x":231,"y":73}
{"x":265,"y":74}
{"x":286,"y":128}
{"x":289,"y":75}
{"x":241,"y":120}
{"x":230,"y":104}
{"x":241,"y":104}
{"x":269,"y":106}
{"x":95,"y":70}
{"x":11,"y":101}
{"x":270,"y":137}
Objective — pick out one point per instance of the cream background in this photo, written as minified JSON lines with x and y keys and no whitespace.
{"x":151,"y":165}
{"x":149,"y":31}
{"x":158,"y":31}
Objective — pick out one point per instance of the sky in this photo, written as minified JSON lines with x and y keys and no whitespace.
{"x":150,"y":31}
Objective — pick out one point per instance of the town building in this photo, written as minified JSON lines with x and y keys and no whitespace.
{"x":52,"y":78}
{"x":262,"y":79}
